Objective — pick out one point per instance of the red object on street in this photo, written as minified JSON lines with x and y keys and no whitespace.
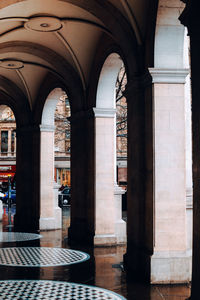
{"x":6,"y":171}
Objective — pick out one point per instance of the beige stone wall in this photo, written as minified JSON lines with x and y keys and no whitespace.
{"x":170,"y":192}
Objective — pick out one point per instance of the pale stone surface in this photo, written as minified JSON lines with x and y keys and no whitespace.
{"x":50,"y":217}
{"x":170,"y":190}
{"x":105,"y":208}
{"x":50,"y":213}
{"x":46,"y":175}
{"x":120,"y":225}
{"x":110,"y":228}
{"x":1,"y":210}
{"x":171,"y":267}
{"x":170,"y":262}
{"x":107,"y":81}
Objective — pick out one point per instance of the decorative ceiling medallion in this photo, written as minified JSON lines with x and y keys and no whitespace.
{"x":43,"y":24}
{"x":11,"y":64}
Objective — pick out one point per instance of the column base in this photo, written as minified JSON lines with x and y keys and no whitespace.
{"x":120,"y":225}
{"x":171,"y":267}
{"x":52,"y":222}
{"x":105,"y":240}
{"x":120,"y":232}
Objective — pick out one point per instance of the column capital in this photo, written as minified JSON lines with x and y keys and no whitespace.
{"x":137,"y":84}
{"x":168,"y":75}
{"x":104,"y":112}
{"x":47,"y":128}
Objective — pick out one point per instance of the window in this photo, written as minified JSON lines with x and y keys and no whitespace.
{"x":4,"y":141}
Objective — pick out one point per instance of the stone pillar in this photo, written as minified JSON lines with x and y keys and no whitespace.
{"x":50,"y":213}
{"x":120,"y":224}
{"x":105,"y":210}
{"x":140,"y":178}
{"x":27,"y":179}
{"x":190,"y":18}
{"x":170,"y":262}
{"x":110,"y":229}
{"x":82,"y":177}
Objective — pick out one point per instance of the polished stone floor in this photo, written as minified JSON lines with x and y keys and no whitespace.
{"x":104,"y":269}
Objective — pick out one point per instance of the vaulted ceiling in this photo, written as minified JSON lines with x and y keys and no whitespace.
{"x":42,"y":36}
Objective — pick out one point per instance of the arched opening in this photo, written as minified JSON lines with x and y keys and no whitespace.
{"x":62,"y":149}
{"x":54,"y":157}
{"x":7,"y":167}
{"x":121,"y":136}
{"x":110,"y":229}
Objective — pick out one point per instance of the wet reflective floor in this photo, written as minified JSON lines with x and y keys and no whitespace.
{"x":104,"y":268}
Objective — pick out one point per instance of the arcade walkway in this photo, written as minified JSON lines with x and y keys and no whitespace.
{"x":103,"y":269}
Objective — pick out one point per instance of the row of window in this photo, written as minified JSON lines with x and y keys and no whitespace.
{"x":7,"y":143}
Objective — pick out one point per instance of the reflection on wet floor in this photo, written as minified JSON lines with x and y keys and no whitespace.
{"x":104,"y":269}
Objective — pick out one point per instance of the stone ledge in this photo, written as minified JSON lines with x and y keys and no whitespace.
{"x":168,"y":75}
{"x":105,"y":240}
{"x":104,"y":112}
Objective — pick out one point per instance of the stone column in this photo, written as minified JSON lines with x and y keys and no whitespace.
{"x":190,"y":18}
{"x":170,"y":262}
{"x":50,"y":213}
{"x":104,"y":177}
{"x":27,"y":179}
{"x":82,"y":177}
{"x":140,"y":178}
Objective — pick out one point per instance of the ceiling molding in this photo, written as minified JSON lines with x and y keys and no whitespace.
{"x":74,"y":57}
{"x":23,"y":80}
{"x":11,"y":30}
{"x":51,"y":57}
{"x":63,"y":20}
{"x":132,"y":20}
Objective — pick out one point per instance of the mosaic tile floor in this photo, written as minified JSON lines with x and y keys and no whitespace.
{"x":18,"y":236}
{"x":40,"y":256}
{"x":39,"y":289}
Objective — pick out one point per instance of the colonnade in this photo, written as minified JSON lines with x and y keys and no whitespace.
{"x":157,"y":224}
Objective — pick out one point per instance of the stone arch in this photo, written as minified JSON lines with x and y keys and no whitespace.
{"x":61,"y":74}
{"x":109,"y":226}
{"x":169,"y":37}
{"x":50,"y":213}
{"x":53,"y":86}
{"x":12,"y":96}
{"x":25,"y":158}
{"x":107,"y":82}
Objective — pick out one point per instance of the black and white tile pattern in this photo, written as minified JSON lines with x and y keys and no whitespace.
{"x":42,"y":289}
{"x":18,"y":236}
{"x":40,"y":256}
